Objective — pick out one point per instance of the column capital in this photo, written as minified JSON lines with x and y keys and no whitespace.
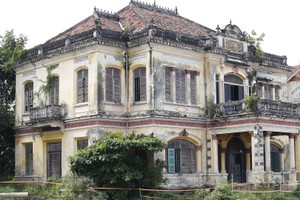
{"x":291,"y":135}
{"x":267,"y":133}
{"x":197,"y":73}
{"x":281,"y":150}
{"x":214,"y":136}
{"x":188,"y":71}
{"x":251,"y":133}
{"x":198,"y":147}
{"x":223,"y":149}
{"x":248,"y":150}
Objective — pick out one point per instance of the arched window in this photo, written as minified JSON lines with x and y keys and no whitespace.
{"x":82,"y":86}
{"x":275,"y":158}
{"x":181,"y":156}
{"x":112,"y":85}
{"x":54,"y":91}
{"x":234,"y":89}
{"x":28,"y":100}
{"x":139,"y":78}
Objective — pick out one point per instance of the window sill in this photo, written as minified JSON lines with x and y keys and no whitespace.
{"x":113,"y":103}
{"x":179,"y":104}
{"x":138,"y":103}
{"x":25,"y":114}
{"x":81,"y":104}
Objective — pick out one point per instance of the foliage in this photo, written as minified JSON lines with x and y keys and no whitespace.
{"x":221,"y":192}
{"x":212,"y":109}
{"x":245,"y":195}
{"x":43,"y":91}
{"x":200,"y":194}
{"x":251,"y":103}
{"x":255,"y":40}
{"x":11,"y":50}
{"x":118,"y":160}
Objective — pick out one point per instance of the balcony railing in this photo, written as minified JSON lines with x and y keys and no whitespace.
{"x":264,"y":107}
{"x":46,"y":113}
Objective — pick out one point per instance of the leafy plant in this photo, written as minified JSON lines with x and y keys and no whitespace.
{"x":251,"y":103}
{"x":43,"y":91}
{"x":212,"y":109}
{"x":118,"y":160}
{"x":255,"y":40}
{"x":221,"y":192}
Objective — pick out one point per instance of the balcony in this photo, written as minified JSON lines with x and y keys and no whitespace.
{"x":264,"y":107}
{"x":47,"y":114}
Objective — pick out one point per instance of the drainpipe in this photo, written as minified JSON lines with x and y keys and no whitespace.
{"x":152,"y":99}
{"x":125,"y":54}
{"x":206,"y":131}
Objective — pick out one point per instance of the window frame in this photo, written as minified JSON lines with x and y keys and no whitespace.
{"x":82,"y":85}
{"x":28,"y":159}
{"x":113,"y":87}
{"x":28,"y":96}
{"x":140,"y":84}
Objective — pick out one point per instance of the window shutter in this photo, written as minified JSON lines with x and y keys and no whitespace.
{"x":258,"y":90}
{"x":54,"y":91}
{"x":82,"y":144}
{"x":277,"y":96}
{"x":268,"y":92}
{"x":29,"y":159}
{"x":193,"y":87}
{"x":108,"y":85}
{"x":143,"y":83}
{"x":171,"y":160}
{"x":180,"y":86}
{"x":28,"y":96}
{"x":168,"y":97}
{"x":86,"y":86}
{"x":117,"y":85}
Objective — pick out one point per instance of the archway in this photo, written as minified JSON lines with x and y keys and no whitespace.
{"x":236,"y":160}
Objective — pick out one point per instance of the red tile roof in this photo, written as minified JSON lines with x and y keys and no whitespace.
{"x":139,"y":16}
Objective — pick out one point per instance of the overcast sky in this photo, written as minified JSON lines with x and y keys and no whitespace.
{"x":41,"y":20}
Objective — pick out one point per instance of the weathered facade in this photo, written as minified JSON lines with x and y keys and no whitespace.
{"x":147,"y":69}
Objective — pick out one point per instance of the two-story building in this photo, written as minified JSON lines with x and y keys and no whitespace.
{"x":149,"y":70}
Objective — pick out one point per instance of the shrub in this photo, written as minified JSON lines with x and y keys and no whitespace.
{"x":221,"y":192}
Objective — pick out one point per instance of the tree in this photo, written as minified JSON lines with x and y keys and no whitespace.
{"x":118,"y":160}
{"x":255,"y":40}
{"x":12,"y":49}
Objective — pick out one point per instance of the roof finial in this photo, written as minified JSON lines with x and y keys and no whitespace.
{"x":154,"y":4}
{"x":230,"y":22}
{"x":176,"y":10}
{"x":218,"y":28}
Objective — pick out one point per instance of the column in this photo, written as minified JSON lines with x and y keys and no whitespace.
{"x":223,"y":168}
{"x":248,"y":160}
{"x":282,"y":160}
{"x":292,"y":152}
{"x":215,"y":153}
{"x":267,"y":151}
{"x":252,"y":150}
{"x":199,"y":158}
{"x":273,"y":92}
{"x":263,"y":91}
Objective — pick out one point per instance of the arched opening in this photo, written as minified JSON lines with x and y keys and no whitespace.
{"x":181,"y":157}
{"x":275,"y":158}
{"x":236,"y":160}
{"x":233,"y":87}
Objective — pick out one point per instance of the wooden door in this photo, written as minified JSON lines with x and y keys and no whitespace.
{"x":54,"y":159}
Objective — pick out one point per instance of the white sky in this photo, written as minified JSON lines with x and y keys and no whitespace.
{"x":41,"y":20}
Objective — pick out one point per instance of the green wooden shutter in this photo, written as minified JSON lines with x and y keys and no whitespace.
{"x":28,"y":159}
{"x":180,"y":86}
{"x":85,"y":86}
{"x":143,"y":84}
{"x":171,"y":160}
{"x":54,"y":91}
{"x":79,"y":87}
{"x":108,"y":85}
{"x":116,"y":85}
{"x":168,"y":97}
{"x":193,"y":87}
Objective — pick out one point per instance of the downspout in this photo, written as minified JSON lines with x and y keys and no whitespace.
{"x":152,"y":99}
{"x":206,"y":131}
{"x":125,"y":54}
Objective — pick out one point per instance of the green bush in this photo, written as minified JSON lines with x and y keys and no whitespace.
{"x":244,"y":195}
{"x":221,"y":192}
{"x":200,"y":194}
